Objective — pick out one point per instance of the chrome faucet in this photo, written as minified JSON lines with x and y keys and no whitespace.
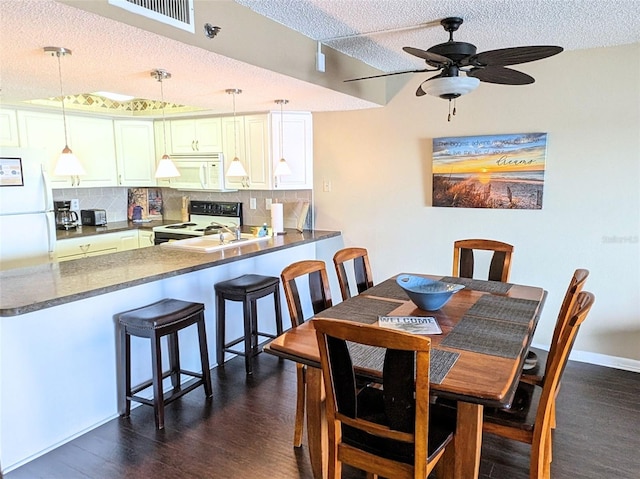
{"x":237,"y":232}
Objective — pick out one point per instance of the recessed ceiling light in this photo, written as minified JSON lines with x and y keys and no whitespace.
{"x":114,"y":96}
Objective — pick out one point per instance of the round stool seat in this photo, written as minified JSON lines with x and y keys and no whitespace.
{"x":163,"y":313}
{"x":248,"y":283}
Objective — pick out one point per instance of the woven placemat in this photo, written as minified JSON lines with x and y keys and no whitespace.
{"x":370,"y":357}
{"x":360,"y":309}
{"x":387,"y":289}
{"x":480,"y":285}
{"x":504,"y":308}
{"x":487,"y":336}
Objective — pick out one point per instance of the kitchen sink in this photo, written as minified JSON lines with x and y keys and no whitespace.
{"x":210,"y":243}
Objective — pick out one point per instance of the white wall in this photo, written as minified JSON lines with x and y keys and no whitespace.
{"x":379,"y":164}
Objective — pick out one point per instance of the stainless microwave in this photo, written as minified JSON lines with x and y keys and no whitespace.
{"x":199,"y":173}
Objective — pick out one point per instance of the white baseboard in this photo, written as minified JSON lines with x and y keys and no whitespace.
{"x":616,"y":362}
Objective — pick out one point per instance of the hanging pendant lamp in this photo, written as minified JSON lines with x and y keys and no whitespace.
{"x":282,"y":168}
{"x":166,"y":168}
{"x":67,"y":164}
{"x":236,"y":168}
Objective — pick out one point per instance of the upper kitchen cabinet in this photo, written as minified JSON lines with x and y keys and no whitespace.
{"x":297,"y":149}
{"x":9,"y":128}
{"x":195,"y":136}
{"x":135,"y":152}
{"x":90,"y":138}
{"x":258,"y":138}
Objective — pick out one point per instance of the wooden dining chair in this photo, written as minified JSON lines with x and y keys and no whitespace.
{"x":463,"y":261}
{"x":530,"y":417}
{"x":361,"y":269}
{"x":320,"y":296}
{"x":388,"y":431}
{"x":537,"y":376}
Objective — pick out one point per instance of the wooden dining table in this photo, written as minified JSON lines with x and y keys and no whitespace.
{"x":487,"y":328}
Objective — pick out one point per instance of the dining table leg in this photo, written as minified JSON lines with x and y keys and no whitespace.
{"x":317,"y":423}
{"x":468,"y":442}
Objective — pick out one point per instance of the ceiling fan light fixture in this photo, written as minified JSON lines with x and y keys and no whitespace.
{"x":449,"y":88}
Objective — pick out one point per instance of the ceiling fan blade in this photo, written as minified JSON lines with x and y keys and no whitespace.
{"x":389,"y":74}
{"x":512,"y":56}
{"x":500,"y":75}
{"x":428,"y":56}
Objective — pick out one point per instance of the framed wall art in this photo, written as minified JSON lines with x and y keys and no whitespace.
{"x":492,"y":171}
{"x":11,"y":172}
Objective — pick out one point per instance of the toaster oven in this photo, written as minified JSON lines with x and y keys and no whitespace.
{"x":94,"y":217}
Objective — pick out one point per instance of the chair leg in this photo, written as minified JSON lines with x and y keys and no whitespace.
{"x":125,"y":361}
{"x":204,"y":357}
{"x":248,"y":334}
{"x":174,"y":360}
{"x":300,"y":401}
{"x":156,"y":366}
{"x":278,"y":309}
{"x":220,"y":329}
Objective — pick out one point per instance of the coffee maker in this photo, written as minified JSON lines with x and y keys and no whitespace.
{"x":65,"y":218}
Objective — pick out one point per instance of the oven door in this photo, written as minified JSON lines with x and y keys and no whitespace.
{"x":164,"y":237}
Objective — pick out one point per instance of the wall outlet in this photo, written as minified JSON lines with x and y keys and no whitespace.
{"x":252,"y":203}
{"x":326,"y":186}
{"x":267,"y":203}
{"x":75,"y":204}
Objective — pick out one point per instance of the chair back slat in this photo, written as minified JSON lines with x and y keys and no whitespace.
{"x":361,"y":268}
{"x":463,"y":260}
{"x":319,"y":290}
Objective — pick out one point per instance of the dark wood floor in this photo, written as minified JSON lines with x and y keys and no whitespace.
{"x":246,"y":431}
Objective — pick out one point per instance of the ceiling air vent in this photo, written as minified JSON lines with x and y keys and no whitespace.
{"x":177,"y":13}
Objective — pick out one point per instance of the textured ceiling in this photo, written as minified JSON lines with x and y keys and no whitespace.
{"x":115,"y":56}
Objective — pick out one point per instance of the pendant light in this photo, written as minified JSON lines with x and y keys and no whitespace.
{"x":166,"y":168}
{"x":282,"y":168}
{"x":236,"y":168}
{"x":68,"y":164}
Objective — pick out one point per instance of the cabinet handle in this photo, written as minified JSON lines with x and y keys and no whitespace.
{"x":197,"y":145}
{"x":85,"y":248}
{"x":193,"y":145}
{"x":119,"y":179}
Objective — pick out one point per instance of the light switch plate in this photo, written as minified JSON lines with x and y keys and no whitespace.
{"x":252,"y":203}
{"x":267,"y":203}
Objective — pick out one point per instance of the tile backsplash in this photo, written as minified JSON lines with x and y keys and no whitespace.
{"x":114,"y":200}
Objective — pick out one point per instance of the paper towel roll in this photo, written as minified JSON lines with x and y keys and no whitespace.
{"x":277,"y":218}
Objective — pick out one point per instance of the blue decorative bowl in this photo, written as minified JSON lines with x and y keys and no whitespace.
{"x":426,"y":293}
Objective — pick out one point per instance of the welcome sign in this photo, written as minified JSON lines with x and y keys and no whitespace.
{"x":493,"y":171}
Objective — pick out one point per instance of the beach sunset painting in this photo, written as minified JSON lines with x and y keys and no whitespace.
{"x":493,"y":171}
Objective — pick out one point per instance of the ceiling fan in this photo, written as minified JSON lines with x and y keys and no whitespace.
{"x":452,"y":58}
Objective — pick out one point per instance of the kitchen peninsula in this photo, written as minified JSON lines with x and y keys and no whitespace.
{"x":58,"y":364}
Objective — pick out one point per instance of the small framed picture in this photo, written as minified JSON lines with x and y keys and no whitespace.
{"x":11,"y":172}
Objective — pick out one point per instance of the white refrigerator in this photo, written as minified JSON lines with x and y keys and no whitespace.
{"x":27,"y":219}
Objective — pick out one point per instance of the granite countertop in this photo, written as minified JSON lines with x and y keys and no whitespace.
{"x":110,"y":228}
{"x":24,"y":290}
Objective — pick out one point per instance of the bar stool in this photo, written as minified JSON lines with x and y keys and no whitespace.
{"x":248,"y":289}
{"x":163,"y":318}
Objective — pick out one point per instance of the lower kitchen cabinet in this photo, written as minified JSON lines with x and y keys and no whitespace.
{"x":94,"y":245}
{"x":145,"y":238}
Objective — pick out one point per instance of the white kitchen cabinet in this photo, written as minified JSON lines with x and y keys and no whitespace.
{"x":94,"y":245}
{"x":145,"y":238}
{"x":253,"y":151}
{"x":135,"y":152}
{"x":259,"y":150}
{"x":90,"y":138}
{"x":9,"y":128}
{"x":297,"y":149}
{"x":195,"y":136}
